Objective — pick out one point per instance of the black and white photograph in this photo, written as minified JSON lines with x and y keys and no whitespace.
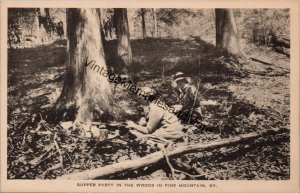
{"x":122,"y":93}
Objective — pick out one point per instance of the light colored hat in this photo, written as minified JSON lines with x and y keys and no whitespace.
{"x":179,"y":76}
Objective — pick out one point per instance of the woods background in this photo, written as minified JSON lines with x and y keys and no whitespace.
{"x":254,"y":25}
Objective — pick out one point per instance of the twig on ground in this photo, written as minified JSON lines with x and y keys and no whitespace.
{"x":54,"y":167}
{"x":23,"y":122}
{"x":168,"y":162}
{"x":24,"y":140}
{"x":47,"y":126}
{"x":58,"y":150}
{"x":174,"y":171}
{"x":41,"y":116}
{"x":69,"y":157}
{"x":42,"y":157}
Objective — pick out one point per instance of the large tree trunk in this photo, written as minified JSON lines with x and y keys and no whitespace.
{"x":143,"y":22}
{"x":122,"y":32}
{"x":86,"y":94}
{"x":155,"y":28}
{"x":226,"y":31}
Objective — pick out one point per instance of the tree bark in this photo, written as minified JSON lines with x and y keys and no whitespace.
{"x":42,"y":34}
{"x":45,"y":24}
{"x":103,"y":40}
{"x":226,"y":31}
{"x":122,"y":32}
{"x":47,"y":14}
{"x":155,"y":27}
{"x":86,"y":94}
{"x":143,"y":22}
{"x":37,"y":24}
{"x":157,"y":156}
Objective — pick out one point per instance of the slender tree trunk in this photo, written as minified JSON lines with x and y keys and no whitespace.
{"x":45,"y":24}
{"x":86,"y":94}
{"x":37,"y":25}
{"x":155,"y":27}
{"x":143,"y":22}
{"x":122,"y":32}
{"x":226,"y":31}
{"x":47,"y":14}
{"x":49,"y":24}
{"x":42,"y":31}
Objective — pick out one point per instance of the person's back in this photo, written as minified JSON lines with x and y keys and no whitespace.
{"x":163,"y":124}
{"x":158,"y":121}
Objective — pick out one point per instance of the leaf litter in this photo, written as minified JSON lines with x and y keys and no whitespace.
{"x":241,"y":101}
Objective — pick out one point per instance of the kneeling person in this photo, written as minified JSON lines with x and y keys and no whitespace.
{"x":187,"y":95}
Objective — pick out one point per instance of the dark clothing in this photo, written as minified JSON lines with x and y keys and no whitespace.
{"x":189,"y":99}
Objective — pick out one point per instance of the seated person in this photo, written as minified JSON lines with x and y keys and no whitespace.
{"x":159,"y":122}
{"x":186,"y":94}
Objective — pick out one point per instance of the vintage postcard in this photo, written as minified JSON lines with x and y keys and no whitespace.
{"x":150,"y":96}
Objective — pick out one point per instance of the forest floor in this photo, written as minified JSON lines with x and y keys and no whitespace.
{"x":250,"y":96}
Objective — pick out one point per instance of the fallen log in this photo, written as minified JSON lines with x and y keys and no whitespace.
{"x":157,"y":156}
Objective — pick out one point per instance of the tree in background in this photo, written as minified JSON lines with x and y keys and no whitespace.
{"x":46,"y":26}
{"x":143,"y":22}
{"x":122,"y":32}
{"x":86,"y":94}
{"x":177,"y":22}
{"x":226,"y":31}
{"x":155,"y":24}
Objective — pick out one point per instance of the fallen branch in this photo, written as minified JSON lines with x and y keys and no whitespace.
{"x":61,"y":160}
{"x":260,"y":61}
{"x":36,"y":161}
{"x":268,"y":73}
{"x":157,"y":156}
{"x":267,"y":63}
{"x":169,"y":164}
{"x":174,"y":171}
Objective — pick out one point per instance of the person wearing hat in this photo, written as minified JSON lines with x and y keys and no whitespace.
{"x":157,"y":121}
{"x":187,"y":94}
